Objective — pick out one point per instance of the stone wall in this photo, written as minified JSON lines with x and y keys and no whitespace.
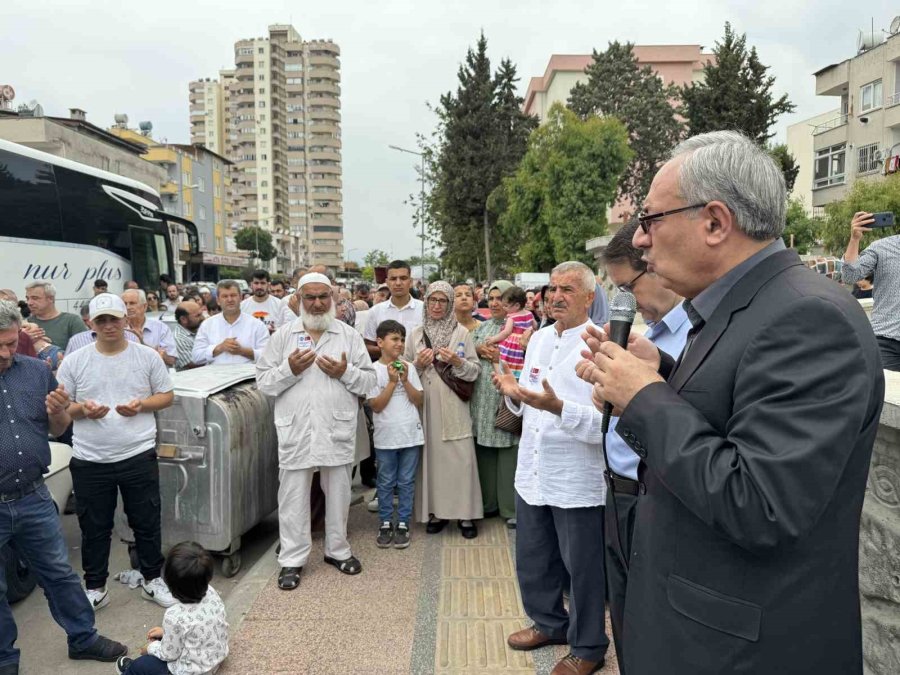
{"x":879,"y":543}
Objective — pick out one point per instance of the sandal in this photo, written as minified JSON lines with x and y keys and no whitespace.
{"x":289,"y":578}
{"x":349,"y":566}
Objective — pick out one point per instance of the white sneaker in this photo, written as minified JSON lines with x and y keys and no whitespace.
{"x":372,"y":506}
{"x":98,"y":597}
{"x":157,"y":591}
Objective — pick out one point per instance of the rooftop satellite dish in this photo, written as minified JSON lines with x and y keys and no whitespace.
{"x":895,"y":26}
{"x":7,"y":92}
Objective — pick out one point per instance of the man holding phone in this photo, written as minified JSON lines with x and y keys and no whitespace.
{"x":881,"y":259}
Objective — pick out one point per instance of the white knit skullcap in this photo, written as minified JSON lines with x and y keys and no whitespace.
{"x":313,"y":278}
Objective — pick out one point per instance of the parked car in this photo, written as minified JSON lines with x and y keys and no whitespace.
{"x":20,"y":579}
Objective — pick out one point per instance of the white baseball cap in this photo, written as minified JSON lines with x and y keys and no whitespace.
{"x":107,"y":303}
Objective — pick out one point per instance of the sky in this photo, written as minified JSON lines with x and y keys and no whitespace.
{"x":397,"y":56}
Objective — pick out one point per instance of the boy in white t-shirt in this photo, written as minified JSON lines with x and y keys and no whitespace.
{"x":395,"y":400}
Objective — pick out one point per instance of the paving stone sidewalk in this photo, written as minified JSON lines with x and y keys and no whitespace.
{"x":444,"y":605}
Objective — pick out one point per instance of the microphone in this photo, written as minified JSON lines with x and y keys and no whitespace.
{"x":621,"y":316}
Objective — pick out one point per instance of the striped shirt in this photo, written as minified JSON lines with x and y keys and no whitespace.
{"x":883,"y":258}
{"x":184,"y":342}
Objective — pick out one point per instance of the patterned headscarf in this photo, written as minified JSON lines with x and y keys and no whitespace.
{"x":439,"y":331}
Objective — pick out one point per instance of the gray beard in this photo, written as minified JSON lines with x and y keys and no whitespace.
{"x":318,"y":323}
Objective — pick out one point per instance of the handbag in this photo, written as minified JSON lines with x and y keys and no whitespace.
{"x":461,"y":388}
{"x":506,"y":420}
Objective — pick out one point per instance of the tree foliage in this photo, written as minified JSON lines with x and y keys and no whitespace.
{"x":865,"y":195}
{"x":618,"y":86}
{"x":558,"y":197}
{"x":376,"y":258}
{"x":248,"y":238}
{"x":786,"y":162}
{"x":804,"y":230}
{"x":735,"y":93}
{"x":480,"y":138}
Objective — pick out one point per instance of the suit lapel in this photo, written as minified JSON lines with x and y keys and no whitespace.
{"x":736,"y":299}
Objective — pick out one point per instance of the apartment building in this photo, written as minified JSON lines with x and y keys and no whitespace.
{"x":277,"y":117}
{"x":197,"y":186}
{"x":674,"y":64}
{"x":861,"y":141}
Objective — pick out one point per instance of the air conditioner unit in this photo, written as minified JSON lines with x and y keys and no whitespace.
{"x":878,"y":156}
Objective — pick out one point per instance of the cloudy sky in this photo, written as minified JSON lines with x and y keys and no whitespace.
{"x":397,"y":55}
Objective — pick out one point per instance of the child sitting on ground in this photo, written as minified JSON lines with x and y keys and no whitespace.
{"x":194,"y":634}
{"x":398,"y":436}
{"x":518,"y":321}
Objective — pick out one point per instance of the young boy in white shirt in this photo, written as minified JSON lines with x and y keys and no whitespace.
{"x":395,"y":401}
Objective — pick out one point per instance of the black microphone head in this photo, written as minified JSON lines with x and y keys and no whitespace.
{"x":623,"y":307}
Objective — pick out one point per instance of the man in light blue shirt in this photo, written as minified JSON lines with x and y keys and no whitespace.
{"x":668,"y":328}
{"x":152,"y":332}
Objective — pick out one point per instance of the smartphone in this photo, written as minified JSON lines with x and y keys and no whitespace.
{"x":883,"y":219}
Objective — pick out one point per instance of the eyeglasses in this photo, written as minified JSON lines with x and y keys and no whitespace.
{"x":629,"y":287}
{"x":438,"y":301}
{"x":645,"y":220}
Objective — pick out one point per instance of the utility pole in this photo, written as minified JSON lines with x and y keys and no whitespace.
{"x":421,"y":199}
{"x":487,"y":247}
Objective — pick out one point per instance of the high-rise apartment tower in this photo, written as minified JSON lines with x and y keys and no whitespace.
{"x":276,"y":115}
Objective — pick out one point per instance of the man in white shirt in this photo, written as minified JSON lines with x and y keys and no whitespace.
{"x":115,"y":387}
{"x":316,"y":368}
{"x":401,"y":307}
{"x":560,"y":491}
{"x":263,"y":306}
{"x":232,"y":336}
{"x":152,"y":332}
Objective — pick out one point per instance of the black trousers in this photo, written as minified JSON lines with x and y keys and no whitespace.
{"x":558,"y":548}
{"x":890,"y":353}
{"x":622,"y":518}
{"x":97,"y":486}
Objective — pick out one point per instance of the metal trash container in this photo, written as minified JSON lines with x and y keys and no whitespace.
{"x":218,"y":461}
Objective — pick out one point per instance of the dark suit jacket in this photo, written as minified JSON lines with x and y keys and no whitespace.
{"x":755,"y":455}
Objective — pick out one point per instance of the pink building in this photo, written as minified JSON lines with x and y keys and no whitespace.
{"x":678,"y":64}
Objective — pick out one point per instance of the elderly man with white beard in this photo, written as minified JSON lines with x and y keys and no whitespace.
{"x":316,"y":368}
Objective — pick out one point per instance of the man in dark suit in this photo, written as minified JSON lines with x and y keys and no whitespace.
{"x":755,"y":444}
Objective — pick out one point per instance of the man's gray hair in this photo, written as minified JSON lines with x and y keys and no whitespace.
{"x":49,"y":289}
{"x":142,"y":297}
{"x":587,"y":274}
{"x":228,"y":283}
{"x":9,"y":315}
{"x":727,"y":166}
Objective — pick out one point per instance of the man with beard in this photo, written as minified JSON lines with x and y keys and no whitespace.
{"x":232,"y":336}
{"x":189,"y":316}
{"x":316,"y":368}
{"x":263,"y":306}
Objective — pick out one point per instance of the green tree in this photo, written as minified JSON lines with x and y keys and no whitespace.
{"x":735,"y":93}
{"x":558,"y":197}
{"x":376,"y":258}
{"x":256,"y":239}
{"x":480,"y":138}
{"x":799,"y":226}
{"x":865,"y":195}
{"x":618,"y":86}
{"x":786,"y":163}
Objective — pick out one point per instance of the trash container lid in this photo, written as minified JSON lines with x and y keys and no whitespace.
{"x":206,"y":381}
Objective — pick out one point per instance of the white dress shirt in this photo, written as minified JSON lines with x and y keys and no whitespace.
{"x":315,"y":414}
{"x":560,"y":459}
{"x":410,"y":316}
{"x":249,"y":332}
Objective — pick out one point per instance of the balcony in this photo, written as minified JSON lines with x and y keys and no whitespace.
{"x":830,"y":136}
{"x":834,"y":80}
{"x":892,"y":111}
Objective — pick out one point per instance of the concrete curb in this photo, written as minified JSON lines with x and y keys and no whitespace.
{"x":239,"y":601}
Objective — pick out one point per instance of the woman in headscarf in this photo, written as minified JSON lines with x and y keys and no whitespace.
{"x":495,"y":449}
{"x":447,"y":484}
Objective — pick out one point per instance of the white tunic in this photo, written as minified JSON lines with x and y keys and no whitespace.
{"x":315,"y":414}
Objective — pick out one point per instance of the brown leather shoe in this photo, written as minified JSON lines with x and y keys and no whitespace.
{"x":572,"y":665}
{"x":531,"y":638}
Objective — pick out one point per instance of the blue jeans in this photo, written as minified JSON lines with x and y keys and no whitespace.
{"x":397,"y":468}
{"x":148,"y":665}
{"x":33,"y":526}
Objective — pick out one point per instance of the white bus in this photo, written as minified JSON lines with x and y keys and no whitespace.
{"x":69,"y":223}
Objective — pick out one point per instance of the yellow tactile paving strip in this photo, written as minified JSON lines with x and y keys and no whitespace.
{"x":479,"y":605}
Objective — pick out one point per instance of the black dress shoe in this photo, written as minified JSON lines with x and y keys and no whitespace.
{"x":435,"y":526}
{"x":468,"y":531}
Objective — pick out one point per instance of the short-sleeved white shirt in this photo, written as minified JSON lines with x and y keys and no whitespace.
{"x":271,"y":312}
{"x":410,"y":316}
{"x":136,"y":372}
{"x":398,"y":425}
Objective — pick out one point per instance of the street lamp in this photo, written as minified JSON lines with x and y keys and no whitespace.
{"x":421,"y":199}
{"x":347,"y":261}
